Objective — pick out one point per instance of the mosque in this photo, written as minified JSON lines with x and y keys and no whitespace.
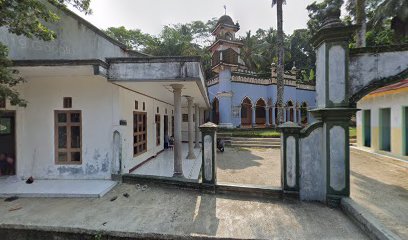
{"x":242,"y":99}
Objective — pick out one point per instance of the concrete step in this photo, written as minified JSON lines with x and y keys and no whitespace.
{"x":255,"y":141}
{"x":255,"y":145}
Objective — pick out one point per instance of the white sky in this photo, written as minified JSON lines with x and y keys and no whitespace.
{"x":151,"y":15}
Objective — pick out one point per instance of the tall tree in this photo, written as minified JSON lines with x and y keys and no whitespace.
{"x":27,"y":18}
{"x":281,"y":54}
{"x":360,"y":6}
{"x":397,"y":11}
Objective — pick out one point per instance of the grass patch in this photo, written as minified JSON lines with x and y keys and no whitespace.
{"x":255,"y":133}
{"x":353,"y":132}
{"x":265,"y":133}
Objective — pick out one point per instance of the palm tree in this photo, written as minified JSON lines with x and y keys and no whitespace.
{"x":361,"y":22}
{"x":250,"y":52}
{"x":281,"y":53}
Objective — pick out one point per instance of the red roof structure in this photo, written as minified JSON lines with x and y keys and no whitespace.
{"x":395,"y":86}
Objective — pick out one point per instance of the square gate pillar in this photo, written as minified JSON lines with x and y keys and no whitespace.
{"x":290,"y":133}
{"x":209,"y":153}
{"x":332,"y":85}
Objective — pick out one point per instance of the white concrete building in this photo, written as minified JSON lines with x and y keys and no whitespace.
{"x":94,"y":107}
{"x":382,"y":123}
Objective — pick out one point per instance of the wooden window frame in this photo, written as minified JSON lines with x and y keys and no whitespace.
{"x":67,"y":102}
{"x":137,"y":133}
{"x":158,"y":129}
{"x":136,"y":105}
{"x":68,"y":124}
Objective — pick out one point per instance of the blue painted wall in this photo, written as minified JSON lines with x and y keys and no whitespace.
{"x":254,"y":92}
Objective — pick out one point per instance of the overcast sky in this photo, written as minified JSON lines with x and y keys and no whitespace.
{"x":151,"y":15}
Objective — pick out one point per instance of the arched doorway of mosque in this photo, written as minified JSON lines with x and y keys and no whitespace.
{"x":246,"y":112}
{"x":303,"y":113}
{"x":290,"y":113}
{"x":260,"y":114}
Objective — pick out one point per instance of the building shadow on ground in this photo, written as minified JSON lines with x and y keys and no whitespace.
{"x":238,"y":158}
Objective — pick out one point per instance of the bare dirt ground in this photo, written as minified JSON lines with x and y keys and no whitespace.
{"x":258,"y":166}
{"x":380,"y":185}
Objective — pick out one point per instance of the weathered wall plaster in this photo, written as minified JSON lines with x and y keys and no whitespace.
{"x":337,"y":74}
{"x":337,"y":158}
{"x":367,"y":67}
{"x":312,"y":167}
{"x":291,"y":161}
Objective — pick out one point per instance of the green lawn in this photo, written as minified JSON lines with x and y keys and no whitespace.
{"x":264,"y":133}
{"x":353,"y":132}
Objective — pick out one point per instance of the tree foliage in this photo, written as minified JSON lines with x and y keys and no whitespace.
{"x":27,"y":18}
{"x":387,"y":20}
{"x":259,"y":50}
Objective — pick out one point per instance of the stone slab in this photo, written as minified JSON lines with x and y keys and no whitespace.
{"x":55,"y":188}
{"x":180,"y":214}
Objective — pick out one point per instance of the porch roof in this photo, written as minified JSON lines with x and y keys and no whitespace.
{"x":151,"y":76}
{"x":155,"y":75}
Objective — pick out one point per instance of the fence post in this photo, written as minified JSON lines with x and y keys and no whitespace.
{"x":290,"y":133}
{"x":209,"y":153}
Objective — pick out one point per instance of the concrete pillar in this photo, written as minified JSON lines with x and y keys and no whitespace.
{"x":190,"y":154}
{"x":197,"y":125}
{"x":332,"y":47}
{"x":178,"y":161}
{"x":225,"y":99}
{"x":209,"y":154}
{"x":254,"y":115}
{"x":300,"y":116}
{"x":290,"y":133}
{"x":267,"y":116}
{"x":273,"y":116}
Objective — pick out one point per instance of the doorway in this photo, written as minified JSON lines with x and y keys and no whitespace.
{"x":166,"y":129}
{"x":385,"y":129}
{"x":7,"y":143}
{"x":367,"y":128}
{"x":405,"y":130}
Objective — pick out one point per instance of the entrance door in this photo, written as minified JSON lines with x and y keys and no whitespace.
{"x":7,"y":143}
{"x":385,"y":129}
{"x":367,"y":128}
{"x":166,"y":130}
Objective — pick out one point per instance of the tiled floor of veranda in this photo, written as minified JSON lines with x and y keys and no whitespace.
{"x":163,"y":164}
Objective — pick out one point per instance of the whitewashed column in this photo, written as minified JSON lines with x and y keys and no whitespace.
{"x":253,"y":115}
{"x":197,"y":125}
{"x":267,"y":116}
{"x":178,"y":161}
{"x":190,"y":154}
{"x":273,"y":116}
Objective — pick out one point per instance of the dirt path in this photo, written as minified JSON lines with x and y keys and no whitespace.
{"x":380,"y":184}
{"x":259,"y":166}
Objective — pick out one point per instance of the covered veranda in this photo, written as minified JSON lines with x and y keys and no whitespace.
{"x":180,"y":82}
